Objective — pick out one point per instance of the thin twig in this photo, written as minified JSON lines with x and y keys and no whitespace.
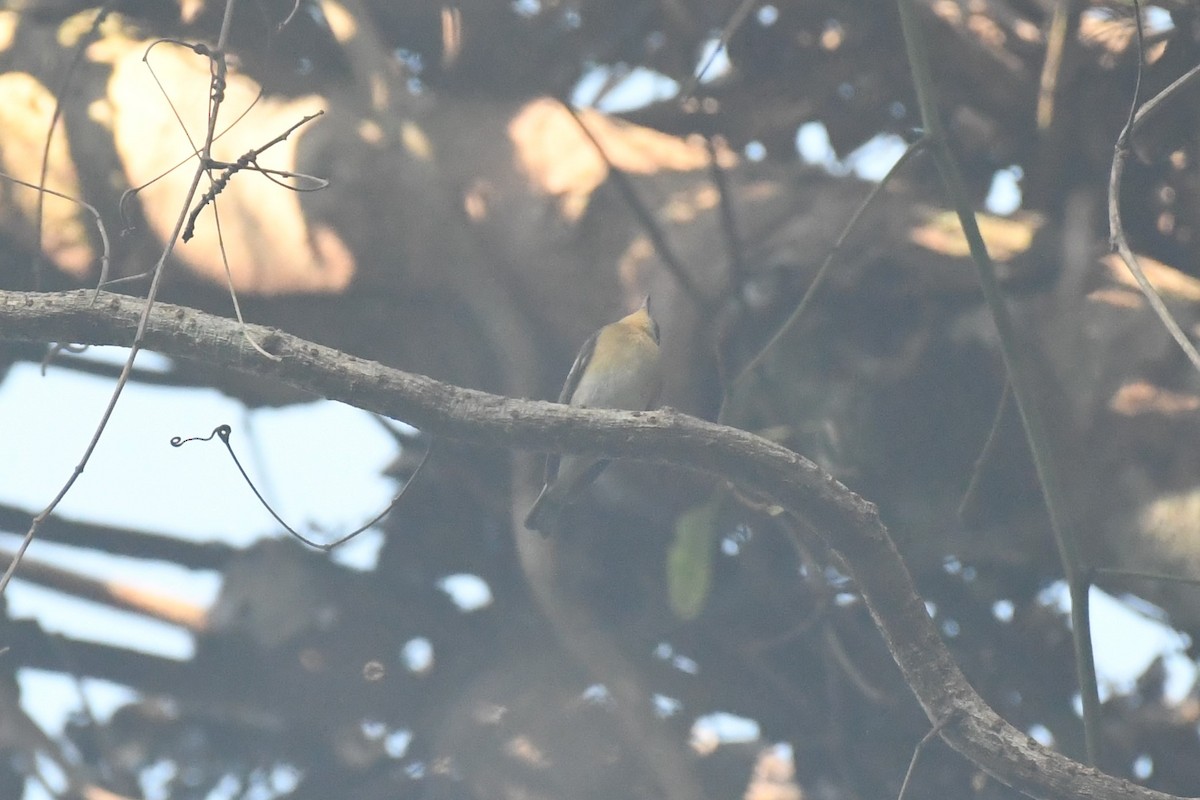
{"x":55,"y":116}
{"x":729,"y":227}
{"x":1116,"y":228}
{"x":735,"y":21}
{"x":1056,"y":47}
{"x":648,"y":223}
{"x":794,"y":319}
{"x":290,"y":16}
{"x":223,"y":433}
{"x":106,"y":250}
{"x":912,"y":763}
{"x":1022,"y":373}
{"x":1155,"y":103}
{"x":130,"y":193}
{"x":233,"y":296}
{"x":965,"y":506}
{"x":1117,"y":572}
{"x":247,"y":161}
{"x":857,"y":679}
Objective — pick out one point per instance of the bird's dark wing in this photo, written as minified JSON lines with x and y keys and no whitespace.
{"x":569,"y":387}
{"x":581,"y":362}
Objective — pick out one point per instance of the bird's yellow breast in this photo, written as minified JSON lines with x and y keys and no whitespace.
{"x":624,"y":370}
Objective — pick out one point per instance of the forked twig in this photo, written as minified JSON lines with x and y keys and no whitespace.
{"x":219,"y":69}
{"x":249,"y":160}
{"x":106,"y":250}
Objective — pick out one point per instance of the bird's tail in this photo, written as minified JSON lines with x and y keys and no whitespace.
{"x":561,"y":491}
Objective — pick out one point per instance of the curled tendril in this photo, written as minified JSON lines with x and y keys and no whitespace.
{"x":224,"y":432}
{"x":221,"y":431}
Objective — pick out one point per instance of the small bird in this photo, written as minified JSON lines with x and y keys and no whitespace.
{"x":617,"y":367}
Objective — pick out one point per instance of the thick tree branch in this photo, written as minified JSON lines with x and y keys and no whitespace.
{"x":755,"y":465}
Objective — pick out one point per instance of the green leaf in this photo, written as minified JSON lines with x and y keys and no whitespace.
{"x":689,"y":562}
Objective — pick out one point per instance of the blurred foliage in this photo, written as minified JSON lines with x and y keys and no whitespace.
{"x":299,"y":686}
